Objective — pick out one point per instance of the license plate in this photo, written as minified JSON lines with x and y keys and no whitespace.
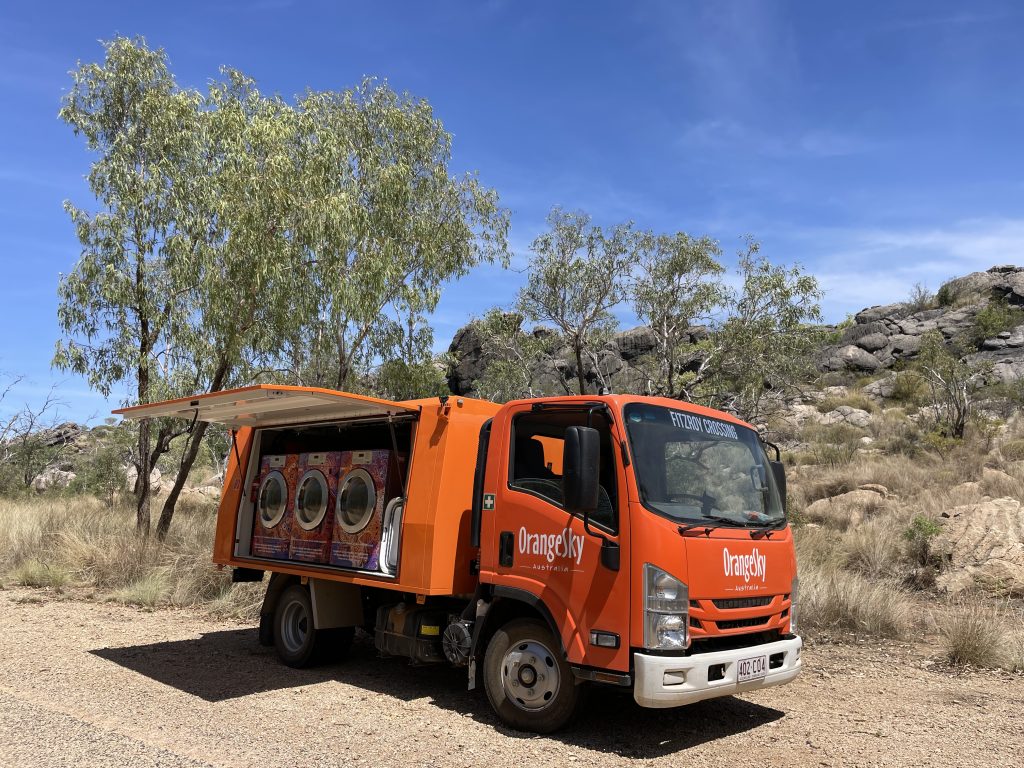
{"x":753,"y":668}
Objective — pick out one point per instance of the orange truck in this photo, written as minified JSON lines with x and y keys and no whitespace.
{"x":543,"y":545}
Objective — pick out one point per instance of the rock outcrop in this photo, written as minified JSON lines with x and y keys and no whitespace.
{"x":982,"y":546}
{"x":882,"y":336}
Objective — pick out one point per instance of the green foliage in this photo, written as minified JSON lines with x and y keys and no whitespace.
{"x":578,"y":273}
{"x":765,"y":343}
{"x":951,"y":384}
{"x":917,"y":538}
{"x":995,"y":318}
{"x":238,"y":234}
{"x":944,"y":297}
{"x":676,"y":287}
{"x":910,"y":388}
{"x":101,"y":471}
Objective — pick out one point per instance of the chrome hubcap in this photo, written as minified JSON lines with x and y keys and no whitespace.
{"x":294,"y":626}
{"x":529,"y":675}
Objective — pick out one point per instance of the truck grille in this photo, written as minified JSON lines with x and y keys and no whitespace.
{"x":742,"y":602}
{"x":738,"y":623}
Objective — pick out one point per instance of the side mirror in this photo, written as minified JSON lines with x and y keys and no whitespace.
{"x":581,"y":458}
{"x":779,"y":470}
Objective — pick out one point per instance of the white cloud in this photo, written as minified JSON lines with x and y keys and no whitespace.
{"x":729,"y":134}
{"x":860,"y":268}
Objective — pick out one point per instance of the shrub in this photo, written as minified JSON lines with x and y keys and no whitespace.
{"x":917,"y":538}
{"x":854,"y":400}
{"x":974,"y":634}
{"x":996,"y":317}
{"x":909,"y":388}
{"x":920,"y":298}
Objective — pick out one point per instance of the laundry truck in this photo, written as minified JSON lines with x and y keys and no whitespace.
{"x":544,"y":545}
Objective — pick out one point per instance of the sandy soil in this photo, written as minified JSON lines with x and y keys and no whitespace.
{"x":94,"y":684}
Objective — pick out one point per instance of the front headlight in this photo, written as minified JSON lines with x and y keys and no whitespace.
{"x":666,"y":611}
{"x":793,"y":606}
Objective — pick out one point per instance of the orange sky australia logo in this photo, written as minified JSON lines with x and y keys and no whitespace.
{"x":747,"y":567}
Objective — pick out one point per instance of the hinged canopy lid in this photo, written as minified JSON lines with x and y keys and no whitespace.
{"x":267,"y":405}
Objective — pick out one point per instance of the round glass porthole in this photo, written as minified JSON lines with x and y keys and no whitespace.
{"x":311,"y":500}
{"x":273,"y":497}
{"x":357,"y":498}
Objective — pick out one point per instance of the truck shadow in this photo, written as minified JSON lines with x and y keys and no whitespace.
{"x":224,"y":665}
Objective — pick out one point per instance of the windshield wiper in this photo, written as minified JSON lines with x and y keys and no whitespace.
{"x":685,"y":529}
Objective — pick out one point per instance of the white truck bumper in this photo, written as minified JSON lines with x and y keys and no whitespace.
{"x":671,"y":681}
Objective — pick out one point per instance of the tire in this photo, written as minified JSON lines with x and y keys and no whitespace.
{"x":528,"y":682}
{"x":298,"y":643}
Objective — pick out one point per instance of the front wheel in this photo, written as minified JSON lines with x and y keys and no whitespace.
{"x":298,"y":643}
{"x":528,"y":682}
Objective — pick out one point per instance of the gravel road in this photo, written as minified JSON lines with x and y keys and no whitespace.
{"x":98,"y":684}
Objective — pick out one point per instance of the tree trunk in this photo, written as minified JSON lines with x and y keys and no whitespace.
{"x":187,"y":460}
{"x":142,"y":482}
{"x":579,"y":368}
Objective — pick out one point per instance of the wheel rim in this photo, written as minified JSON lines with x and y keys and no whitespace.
{"x":529,"y":675}
{"x":294,"y":626}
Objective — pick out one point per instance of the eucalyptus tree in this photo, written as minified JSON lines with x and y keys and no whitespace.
{"x":764,"y":338}
{"x":578,"y":273}
{"x":241,"y":257}
{"x":676,"y":284}
{"x":384,"y":221}
{"x":124,"y":296}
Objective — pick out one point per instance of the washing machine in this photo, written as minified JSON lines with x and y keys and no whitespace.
{"x":313,"y":506}
{"x":369,"y":481}
{"x":272,"y":495}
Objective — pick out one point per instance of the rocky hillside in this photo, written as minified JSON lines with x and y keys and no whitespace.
{"x":878,"y":338}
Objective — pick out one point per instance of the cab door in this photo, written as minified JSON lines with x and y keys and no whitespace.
{"x":531,"y":544}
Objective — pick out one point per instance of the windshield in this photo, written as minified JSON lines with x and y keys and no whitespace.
{"x":696,"y":469}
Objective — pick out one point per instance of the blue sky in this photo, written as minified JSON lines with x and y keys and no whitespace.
{"x":878,"y":145}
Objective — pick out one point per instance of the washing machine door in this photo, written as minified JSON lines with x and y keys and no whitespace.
{"x":357,"y":498}
{"x":391,"y":536}
{"x":272,"y":499}
{"x":311,"y":500}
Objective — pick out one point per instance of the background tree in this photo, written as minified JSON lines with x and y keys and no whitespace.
{"x":764,"y":340}
{"x":675,"y":286}
{"x":125,"y":293}
{"x":951,"y":382}
{"x":578,"y":274}
{"x":384,"y":222}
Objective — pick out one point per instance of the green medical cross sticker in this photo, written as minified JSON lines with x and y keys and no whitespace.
{"x":489,"y":501}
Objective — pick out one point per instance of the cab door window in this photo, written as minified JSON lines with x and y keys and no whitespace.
{"x":536,"y":460}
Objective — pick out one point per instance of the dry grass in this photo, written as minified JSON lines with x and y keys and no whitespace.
{"x":836,"y":599}
{"x":78,"y":541}
{"x":975,"y":633}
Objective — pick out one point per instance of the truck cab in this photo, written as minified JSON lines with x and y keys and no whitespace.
{"x":652,"y":535}
{"x":544,"y":545}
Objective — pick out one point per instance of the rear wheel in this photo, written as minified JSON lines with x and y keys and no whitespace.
{"x":298,"y":643}
{"x":528,"y":682}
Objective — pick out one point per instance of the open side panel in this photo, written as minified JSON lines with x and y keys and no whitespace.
{"x":264,"y":405}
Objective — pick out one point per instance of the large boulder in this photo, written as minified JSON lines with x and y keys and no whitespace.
{"x":982,"y":546}
{"x":155,"y":479}
{"x":467,"y":351}
{"x":1002,"y":282}
{"x":846,"y":414}
{"x":849,"y":357}
{"x":52,"y":478}
{"x":848,"y":509}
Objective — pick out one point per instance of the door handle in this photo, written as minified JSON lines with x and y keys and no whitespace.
{"x":506,"y":544}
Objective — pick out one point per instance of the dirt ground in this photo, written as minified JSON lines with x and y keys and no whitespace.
{"x":99,"y":684}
